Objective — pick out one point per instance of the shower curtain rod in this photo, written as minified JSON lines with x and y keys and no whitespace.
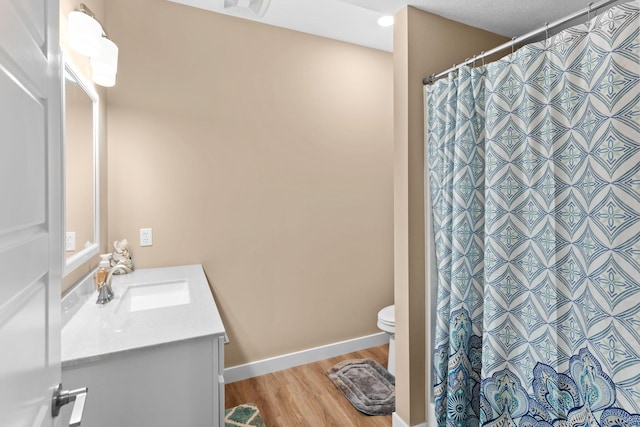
{"x":431,"y":79}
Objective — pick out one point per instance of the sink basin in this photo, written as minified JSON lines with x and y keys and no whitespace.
{"x":151,"y":296}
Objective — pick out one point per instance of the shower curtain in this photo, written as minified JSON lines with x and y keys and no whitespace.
{"x":534,"y":169}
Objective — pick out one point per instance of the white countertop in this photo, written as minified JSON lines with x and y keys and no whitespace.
{"x":96,"y":331}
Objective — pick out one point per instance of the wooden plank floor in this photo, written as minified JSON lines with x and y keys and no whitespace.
{"x":304,"y":396}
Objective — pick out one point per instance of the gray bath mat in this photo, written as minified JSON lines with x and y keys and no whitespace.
{"x":370,"y":388}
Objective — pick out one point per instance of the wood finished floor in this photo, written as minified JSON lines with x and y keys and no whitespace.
{"x":304,"y":396}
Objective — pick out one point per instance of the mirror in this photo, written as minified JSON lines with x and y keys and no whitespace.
{"x":82,"y":222}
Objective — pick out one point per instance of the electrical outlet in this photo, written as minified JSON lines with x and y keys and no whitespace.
{"x":146,"y":237}
{"x":70,"y":241}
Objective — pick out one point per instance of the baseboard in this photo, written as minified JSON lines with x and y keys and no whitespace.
{"x":278,"y":363}
{"x":396,"y":421}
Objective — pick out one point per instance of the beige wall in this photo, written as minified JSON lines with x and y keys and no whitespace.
{"x":424,"y":44}
{"x":264,"y":154}
{"x":81,"y":64}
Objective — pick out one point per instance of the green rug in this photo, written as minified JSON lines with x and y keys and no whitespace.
{"x":246,"y":415}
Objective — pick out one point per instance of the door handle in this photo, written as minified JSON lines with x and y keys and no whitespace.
{"x":62,"y":397}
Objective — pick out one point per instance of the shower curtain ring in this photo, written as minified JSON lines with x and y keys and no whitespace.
{"x":589,"y":13}
{"x":547,"y":44}
{"x":482,"y":54}
{"x":513,"y":43}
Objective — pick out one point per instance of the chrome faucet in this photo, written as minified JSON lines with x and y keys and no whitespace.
{"x":105,"y":293}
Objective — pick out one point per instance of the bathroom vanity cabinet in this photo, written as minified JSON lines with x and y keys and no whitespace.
{"x":154,"y":356}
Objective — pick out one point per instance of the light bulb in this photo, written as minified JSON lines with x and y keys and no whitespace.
{"x":385,"y":21}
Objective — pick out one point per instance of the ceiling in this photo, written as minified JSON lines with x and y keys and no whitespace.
{"x":355,"y":21}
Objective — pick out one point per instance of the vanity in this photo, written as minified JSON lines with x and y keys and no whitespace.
{"x":153,"y":356}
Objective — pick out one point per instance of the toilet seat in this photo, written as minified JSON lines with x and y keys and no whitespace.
{"x":387,"y":323}
{"x":387,"y":319}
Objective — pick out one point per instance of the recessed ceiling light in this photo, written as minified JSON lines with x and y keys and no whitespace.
{"x":385,"y":21}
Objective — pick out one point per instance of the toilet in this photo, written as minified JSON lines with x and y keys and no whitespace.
{"x":387,"y":323}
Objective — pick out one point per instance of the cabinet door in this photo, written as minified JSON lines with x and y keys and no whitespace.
{"x":171,"y":385}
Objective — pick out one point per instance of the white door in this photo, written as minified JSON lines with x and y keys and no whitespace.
{"x":30,"y":211}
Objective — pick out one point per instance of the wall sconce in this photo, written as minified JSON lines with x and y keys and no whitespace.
{"x":86,"y":36}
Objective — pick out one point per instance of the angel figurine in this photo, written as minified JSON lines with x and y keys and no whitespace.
{"x":121,"y":257}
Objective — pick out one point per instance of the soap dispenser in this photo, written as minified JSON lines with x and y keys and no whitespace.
{"x":105,"y":293}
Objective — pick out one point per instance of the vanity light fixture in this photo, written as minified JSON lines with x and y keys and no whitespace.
{"x":86,"y":36}
{"x":84,"y":32}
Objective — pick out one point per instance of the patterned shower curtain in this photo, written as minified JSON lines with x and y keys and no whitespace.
{"x":534,"y":169}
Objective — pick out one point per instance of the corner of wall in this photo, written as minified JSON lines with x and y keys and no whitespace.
{"x":419,"y":51}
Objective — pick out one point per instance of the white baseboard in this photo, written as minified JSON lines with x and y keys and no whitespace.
{"x":278,"y":363}
{"x":396,"y":421}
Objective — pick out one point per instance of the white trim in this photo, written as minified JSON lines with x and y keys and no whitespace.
{"x":396,"y":421}
{"x":85,"y":254}
{"x":278,"y":363}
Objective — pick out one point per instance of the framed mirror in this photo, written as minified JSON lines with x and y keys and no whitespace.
{"x":80,"y":135}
